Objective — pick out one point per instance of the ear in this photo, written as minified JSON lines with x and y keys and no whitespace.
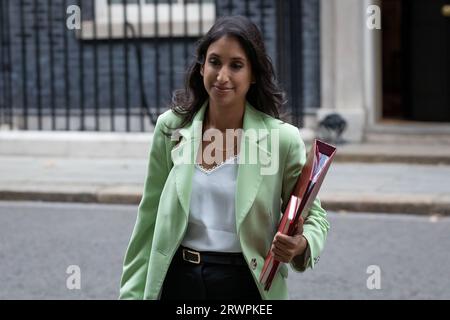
{"x":201,"y":70}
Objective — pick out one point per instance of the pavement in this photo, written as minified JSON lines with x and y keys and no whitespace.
{"x":390,"y":174}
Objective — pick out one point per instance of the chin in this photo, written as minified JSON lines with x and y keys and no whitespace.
{"x":218,"y":97}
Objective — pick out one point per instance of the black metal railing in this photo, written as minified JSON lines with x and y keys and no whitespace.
{"x":5,"y":64}
{"x":118,"y":71}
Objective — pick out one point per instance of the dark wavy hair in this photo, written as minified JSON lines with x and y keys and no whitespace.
{"x":265,"y":95}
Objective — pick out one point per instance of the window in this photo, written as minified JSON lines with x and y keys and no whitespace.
{"x":159,"y":18}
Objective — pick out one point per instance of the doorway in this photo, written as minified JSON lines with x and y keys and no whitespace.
{"x":416,"y":63}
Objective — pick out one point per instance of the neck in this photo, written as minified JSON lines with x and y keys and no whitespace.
{"x":222,"y":118}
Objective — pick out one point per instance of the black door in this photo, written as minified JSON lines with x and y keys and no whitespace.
{"x":427,"y":69}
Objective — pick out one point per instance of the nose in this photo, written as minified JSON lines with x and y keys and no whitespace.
{"x":222,"y":76}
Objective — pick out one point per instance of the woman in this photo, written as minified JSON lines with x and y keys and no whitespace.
{"x":209,"y":210}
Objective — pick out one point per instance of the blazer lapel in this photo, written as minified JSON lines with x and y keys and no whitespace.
{"x":249,"y":176}
{"x":184,"y":156}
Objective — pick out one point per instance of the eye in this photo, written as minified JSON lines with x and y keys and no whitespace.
{"x":214,"y":61}
{"x":236,"y":66}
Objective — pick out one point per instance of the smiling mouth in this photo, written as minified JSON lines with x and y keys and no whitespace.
{"x":222,"y":89}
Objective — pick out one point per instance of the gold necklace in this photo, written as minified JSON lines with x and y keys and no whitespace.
{"x":222,"y":131}
{"x":232,"y":148}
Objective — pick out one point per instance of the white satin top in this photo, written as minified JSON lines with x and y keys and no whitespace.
{"x":212,"y":217}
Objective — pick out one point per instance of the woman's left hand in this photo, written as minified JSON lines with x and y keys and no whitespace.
{"x":285,"y":248}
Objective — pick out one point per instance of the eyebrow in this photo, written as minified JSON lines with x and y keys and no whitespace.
{"x":232,"y":58}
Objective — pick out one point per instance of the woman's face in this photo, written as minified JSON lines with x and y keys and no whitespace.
{"x":227,"y":73}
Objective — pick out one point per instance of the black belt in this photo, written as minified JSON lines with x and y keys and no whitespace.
{"x":199,"y":257}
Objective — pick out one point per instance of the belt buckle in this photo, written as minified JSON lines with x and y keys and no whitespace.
{"x":196,"y":254}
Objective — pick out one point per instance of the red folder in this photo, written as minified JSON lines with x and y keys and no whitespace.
{"x":300,"y":201}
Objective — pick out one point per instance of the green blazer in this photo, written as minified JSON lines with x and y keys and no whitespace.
{"x":260,"y":200}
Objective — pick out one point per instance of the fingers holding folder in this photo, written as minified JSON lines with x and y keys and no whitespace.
{"x":285,"y":247}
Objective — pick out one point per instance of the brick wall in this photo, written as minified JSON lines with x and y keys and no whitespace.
{"x":311,"y":53}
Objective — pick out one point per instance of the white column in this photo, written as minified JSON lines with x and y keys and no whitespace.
{"x":343,"y":26}
{"x":373,"y":70}
{"x":327,"y":53}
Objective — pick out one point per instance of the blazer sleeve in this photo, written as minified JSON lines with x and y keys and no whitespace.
{"x":316,"y":226}
{"x":135,"y":263}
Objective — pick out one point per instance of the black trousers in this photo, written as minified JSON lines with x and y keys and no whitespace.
{"x":208,"y":281}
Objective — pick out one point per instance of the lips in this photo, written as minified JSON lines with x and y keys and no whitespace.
{"x":222,"y":89}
